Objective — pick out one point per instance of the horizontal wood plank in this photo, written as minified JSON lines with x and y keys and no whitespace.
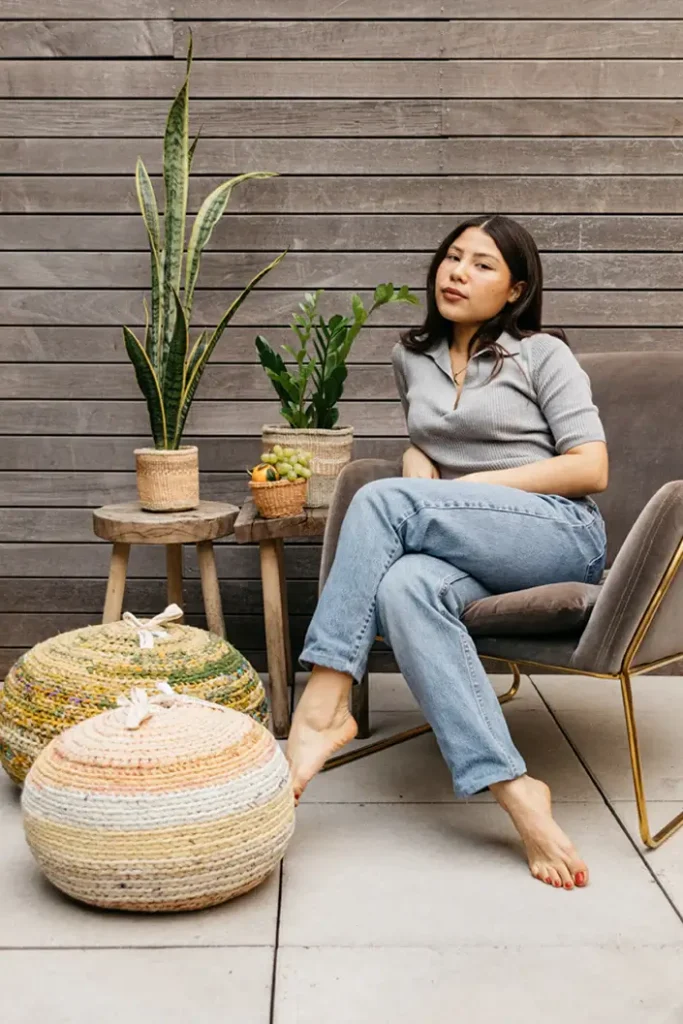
{"x":597,"y":194}
{"x":68,"y":118}
{"x":85,"y":489}
{"x":230,"y":156}
{"x":512,"y":39}
{"x":340,"y":79}
{"x":343,"y":232}
{"x":48,"y":344}
{"x":269,"y":307}
{"x":29,"y":455}
{"x":234,"y":561}
{"x":86,"y":39}
{"x":231,"y":419}
{"x":326,"y":270}
{"x":227,"y":383}
{"x":143,"y":597}
{"x":392,"y":9}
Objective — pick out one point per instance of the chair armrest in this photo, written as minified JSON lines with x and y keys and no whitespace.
{"x":353,"y":476}
{"x":652,"y":550}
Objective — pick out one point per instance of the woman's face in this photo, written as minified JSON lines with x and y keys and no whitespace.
{"x":473,"y":282}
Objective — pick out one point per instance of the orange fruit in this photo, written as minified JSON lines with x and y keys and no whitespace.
{"x":264,"y":474}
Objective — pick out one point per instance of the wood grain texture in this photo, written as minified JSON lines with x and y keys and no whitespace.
{"x":129,"y":524}
{"x":228,"y":156}
{"x":328,"y":270}
{"x":55,"y":39}
{"x":436,"y":9}
{"x":339,"y":79}
{"x":512,"y":194}
{"x":481,"y":39}
{"x":55,"y":344}
{"x":265,"y":308}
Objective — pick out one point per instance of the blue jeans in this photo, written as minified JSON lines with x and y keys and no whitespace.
{"x":412,"y":554}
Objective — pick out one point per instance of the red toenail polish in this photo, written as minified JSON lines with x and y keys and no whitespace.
{"x":549,"y":881}
{"x":580,"y":878}
{"x":568,"y":885}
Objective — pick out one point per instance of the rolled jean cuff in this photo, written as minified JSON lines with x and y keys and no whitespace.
{"x":310,"y":657}
{"x":480,"y":785}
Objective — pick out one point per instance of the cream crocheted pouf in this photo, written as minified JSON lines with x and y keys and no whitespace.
{"x":75,"y":675}
{"x":166,"y":803}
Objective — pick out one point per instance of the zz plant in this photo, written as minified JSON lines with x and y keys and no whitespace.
{"x":310,"y":389}
{"x":167,"y":366}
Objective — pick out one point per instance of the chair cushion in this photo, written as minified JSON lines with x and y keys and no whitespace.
{"x":553,"y":608}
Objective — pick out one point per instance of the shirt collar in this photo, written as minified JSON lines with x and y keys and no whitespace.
{"x":440,"y":354}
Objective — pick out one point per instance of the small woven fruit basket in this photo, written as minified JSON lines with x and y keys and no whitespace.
{"x":279,"y":484}
{"x":278,"y":498}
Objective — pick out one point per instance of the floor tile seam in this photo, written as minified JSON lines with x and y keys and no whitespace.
{"x":617,"y":947}
{"x":622,"y":825}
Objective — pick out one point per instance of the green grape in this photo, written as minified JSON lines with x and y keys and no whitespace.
{"x":282,"y":468}
{"x":306,"y":473}
{"x":291,"y":477}
{"x":269,"y":459}
{"x":288,"y":452}
{"x":277,"y":449}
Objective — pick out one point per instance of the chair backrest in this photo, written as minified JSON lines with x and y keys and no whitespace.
{"x":640,"y":398}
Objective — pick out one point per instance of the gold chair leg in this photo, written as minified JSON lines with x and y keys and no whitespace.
{"x":401,"y":737}
{"x":636,"y":767}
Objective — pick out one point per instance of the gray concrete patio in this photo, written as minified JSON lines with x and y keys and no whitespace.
{"x":397,"y":903}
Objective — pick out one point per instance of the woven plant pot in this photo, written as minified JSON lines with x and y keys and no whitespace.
{"x":275,"y":499}
{"x":168,"y":480}
{"x":162,"y":804}
{"x":75,"y":675}
{"x":331,"y":450}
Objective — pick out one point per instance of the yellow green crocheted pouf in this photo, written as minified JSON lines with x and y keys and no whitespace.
{"x":75,"y":675}
{"x":165,"y":803}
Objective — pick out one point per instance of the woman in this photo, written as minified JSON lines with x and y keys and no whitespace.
{"x":506,"y":444}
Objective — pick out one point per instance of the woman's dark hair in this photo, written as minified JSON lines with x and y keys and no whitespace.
{"x":521,"y":318}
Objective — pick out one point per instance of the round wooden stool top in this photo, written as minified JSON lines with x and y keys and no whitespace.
{"x":129,"y":524}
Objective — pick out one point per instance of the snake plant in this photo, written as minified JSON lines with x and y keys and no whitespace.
{"x":167,"y":366}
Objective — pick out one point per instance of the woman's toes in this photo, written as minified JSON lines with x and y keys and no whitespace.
{"x":565,"y":876}
{"x":554,"y":877}
{"x":581,"y":878}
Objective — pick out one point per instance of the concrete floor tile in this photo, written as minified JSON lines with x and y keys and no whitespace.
{"x":444,"y":874}
{"x":34,"y":913}
{"x":594,"y":985}
{"x":667,"y":860}
{"x":591,"y":712}
{"x":133,"y":986}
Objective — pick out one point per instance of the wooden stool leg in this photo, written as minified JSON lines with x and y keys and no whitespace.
{"x":277,"y":633}
{"x":174,"y":574}
{"x":116,"y":584}
{"x":210,"y":588}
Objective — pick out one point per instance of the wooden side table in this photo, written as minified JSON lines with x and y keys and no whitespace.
{"x":270,"y":535}
{"x":127,"y":524}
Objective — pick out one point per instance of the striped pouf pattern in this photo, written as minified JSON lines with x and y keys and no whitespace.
{"x":166,"y":803}
{"x":75,"y":675}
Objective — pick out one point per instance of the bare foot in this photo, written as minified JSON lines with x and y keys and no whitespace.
{"x":322,"y":724}
{"x":552,"y":857}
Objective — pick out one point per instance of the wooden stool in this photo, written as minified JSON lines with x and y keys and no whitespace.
{"x":270,"y":534}
{"x":128,"y":524}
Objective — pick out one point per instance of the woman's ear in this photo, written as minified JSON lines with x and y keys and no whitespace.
{"x":516,"y":291}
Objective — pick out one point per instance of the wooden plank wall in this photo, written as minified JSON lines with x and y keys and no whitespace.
{"x":385,"y":132}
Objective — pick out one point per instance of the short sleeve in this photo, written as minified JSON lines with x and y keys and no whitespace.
{"x":564,"y":396}
{"x":400,"y":376}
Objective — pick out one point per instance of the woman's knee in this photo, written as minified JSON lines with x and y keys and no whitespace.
{"x":411,"y":578}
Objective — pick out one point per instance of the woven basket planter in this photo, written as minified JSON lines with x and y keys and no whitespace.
{"x":163,"y":804}
{"x":274,"y":499}
{"x":75,"y":675}
{"x":168,"y":480}
{"x":331,"y":450}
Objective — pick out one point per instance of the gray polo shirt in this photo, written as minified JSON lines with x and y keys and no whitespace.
{"x":538,"y":406}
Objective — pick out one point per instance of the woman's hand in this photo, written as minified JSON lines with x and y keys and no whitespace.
{"x":416,"y":464}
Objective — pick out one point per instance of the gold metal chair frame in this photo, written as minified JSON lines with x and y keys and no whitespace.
{"x":624,"y":676}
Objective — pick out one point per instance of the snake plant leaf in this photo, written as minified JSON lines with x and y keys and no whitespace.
{"x":210,"y":212}
{"x":176,"y":176}
{"x":191,"y":151}
{"x":174,"y":373}
{"x":148,"y":383}
{"x":150,"y":215}
{"x":208,"y":346}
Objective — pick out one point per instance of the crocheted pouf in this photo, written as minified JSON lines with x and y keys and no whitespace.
{"x":167,"y":803}
{"x":75,"y":675}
